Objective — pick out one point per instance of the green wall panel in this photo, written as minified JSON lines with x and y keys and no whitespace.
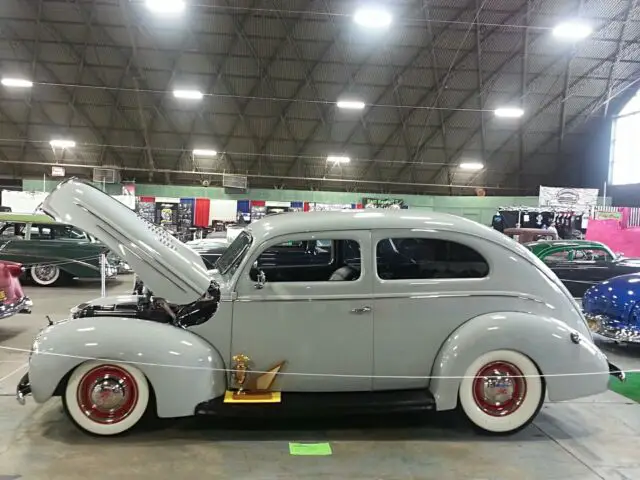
{"x":480,"y":209}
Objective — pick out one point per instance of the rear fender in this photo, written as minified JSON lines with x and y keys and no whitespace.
{"x":182,"y":367}
{"x":545,"y":340}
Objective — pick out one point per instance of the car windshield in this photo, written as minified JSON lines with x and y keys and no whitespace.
{"x":231,"y":258}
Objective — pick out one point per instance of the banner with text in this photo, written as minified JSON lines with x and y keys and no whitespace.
{"x":573,"y":199}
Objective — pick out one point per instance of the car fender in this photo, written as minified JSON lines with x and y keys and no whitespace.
{"x":182,"y":368}
{"x":545,"y":340}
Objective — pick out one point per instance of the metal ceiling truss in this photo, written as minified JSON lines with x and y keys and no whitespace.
{"x":300,"y":165}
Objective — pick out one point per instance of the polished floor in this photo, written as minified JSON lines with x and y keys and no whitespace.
{"x":595,"y":438}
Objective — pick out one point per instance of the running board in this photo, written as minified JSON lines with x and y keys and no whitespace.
{"x":319,"y":404}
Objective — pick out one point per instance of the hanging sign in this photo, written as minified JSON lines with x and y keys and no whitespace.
{"x":574,"y":199}
{"x":57,"y":171}
{"x":390,"y":203}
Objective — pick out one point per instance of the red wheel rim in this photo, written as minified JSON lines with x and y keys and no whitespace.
{"x":499,"y":388}
{"x":107,"y":394}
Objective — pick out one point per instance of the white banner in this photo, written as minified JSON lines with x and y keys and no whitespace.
{"x":574,"y":199}
{"x":23,"y":202}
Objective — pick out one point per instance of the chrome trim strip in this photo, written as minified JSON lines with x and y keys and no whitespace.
{"x":381,"y":296}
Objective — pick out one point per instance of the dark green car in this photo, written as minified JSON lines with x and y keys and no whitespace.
{"x":580,"y":264}
{"x":50,"y":252}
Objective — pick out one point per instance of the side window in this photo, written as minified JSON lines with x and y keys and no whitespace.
{"x":591,"y":255}
{"x":298,"y":253}
{"x":11,"y":231}
{"x":418,"y":258}
{"x":310,"y":261}
{"x":40,"y":232}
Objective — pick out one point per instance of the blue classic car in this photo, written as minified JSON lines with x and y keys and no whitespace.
{"x":612,"y":308}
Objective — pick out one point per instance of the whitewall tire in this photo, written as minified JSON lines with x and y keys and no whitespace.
{"x":106,"y":398}
{"x":45,"y":275}
{"x":502,"y":392}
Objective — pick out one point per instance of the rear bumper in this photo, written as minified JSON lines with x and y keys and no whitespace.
{"x":22,"y":305}
{"x":613,"y":329}
{"x":614,"y":371}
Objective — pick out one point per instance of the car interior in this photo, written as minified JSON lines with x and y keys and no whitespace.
{"x":310,"y":261}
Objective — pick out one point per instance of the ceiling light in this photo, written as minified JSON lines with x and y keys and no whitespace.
{"x":572,"y":30}
{"x":166,"y":6}
{"x":473,"y":166}
{"x":17,"y":82}
{"x":509,"y":112}
{"x":188,"y":94}
{"x":337,"y":159}
{"x":350,"y":104}
{"x":59,"y":143}
{"x":200,"y":152}
{"x":372,"y":18}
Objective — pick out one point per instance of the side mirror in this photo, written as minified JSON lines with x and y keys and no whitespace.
{"x":261,"y":280}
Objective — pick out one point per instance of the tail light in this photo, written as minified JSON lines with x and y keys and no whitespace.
{"x":15,"y":269}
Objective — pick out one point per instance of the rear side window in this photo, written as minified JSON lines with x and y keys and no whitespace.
{"x":423,"y":258}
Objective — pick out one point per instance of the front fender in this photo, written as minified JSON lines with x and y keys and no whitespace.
{"x":545,"y":340}
{"x":182,"y":367}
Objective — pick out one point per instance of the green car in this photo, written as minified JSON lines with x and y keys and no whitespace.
{"x":51,"y":252}
{"x":581,"y":264}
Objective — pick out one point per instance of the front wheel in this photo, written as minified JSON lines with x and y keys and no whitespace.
{"x":45,"y":275}
{"x":502,"y":392}
{"x":106,"y":398}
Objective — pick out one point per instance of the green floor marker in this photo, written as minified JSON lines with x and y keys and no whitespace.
{"x":629,"y":388}
{"x":315,"y":449}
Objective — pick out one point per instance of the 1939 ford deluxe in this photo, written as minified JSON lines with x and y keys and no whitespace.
{"x":390,"y":310}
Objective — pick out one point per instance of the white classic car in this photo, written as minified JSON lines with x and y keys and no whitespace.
{"x":362,"y":311}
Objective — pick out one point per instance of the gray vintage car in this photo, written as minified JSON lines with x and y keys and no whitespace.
{"x":391,"y":310}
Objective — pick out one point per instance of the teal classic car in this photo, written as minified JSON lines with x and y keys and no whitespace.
{"x":51,"y":252}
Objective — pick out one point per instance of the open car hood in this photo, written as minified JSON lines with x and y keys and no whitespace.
{"x":168,"y":267}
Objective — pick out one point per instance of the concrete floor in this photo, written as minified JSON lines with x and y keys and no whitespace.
{"x":595,"y":438}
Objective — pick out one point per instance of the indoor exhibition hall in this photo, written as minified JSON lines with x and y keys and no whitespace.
{"x":320,"y":239}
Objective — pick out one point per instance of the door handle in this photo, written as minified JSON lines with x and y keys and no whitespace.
{"x":365,"y":309}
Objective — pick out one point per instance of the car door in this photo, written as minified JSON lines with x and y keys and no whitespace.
{"x":424,"y":285}
{"x":322,"y":329}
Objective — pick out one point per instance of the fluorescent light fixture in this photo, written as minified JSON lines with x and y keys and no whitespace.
{"x":166,"y":6}
{"x":188,"y":94}
{"x":471,"y":166}
{"x":17,"y":82}
{"x":60,"y":143}
{"x":201,"y":152}
{"x":372,"y":18}
{"x":509,"y":112}
{"x":572,"y":31}
{"x":350,"y":104}
{"x":338,"y":159}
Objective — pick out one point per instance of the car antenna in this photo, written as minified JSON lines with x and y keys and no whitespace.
{"x":49,"y":319}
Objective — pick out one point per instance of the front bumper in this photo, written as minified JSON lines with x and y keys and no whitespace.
{"x":22,"y":305}
{"x":613,"y":329}
{"x":23,"y":389}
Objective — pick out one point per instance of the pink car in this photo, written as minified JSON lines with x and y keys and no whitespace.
{"x":12,"y":298}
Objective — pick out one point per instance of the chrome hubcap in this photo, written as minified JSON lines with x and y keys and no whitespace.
{"x":45,"y":272}
{"x":108,"y":395}
{"x":499,"y":389}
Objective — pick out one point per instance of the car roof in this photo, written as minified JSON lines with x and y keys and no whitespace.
{"x":300,"y":222}
{"x":565,"y":243}
{"x":26,"y":218}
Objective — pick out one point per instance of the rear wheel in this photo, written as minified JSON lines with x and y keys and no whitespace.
{"x":106,"y":398}
{"x":502,"y":392}
{"x":45,"y":275}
